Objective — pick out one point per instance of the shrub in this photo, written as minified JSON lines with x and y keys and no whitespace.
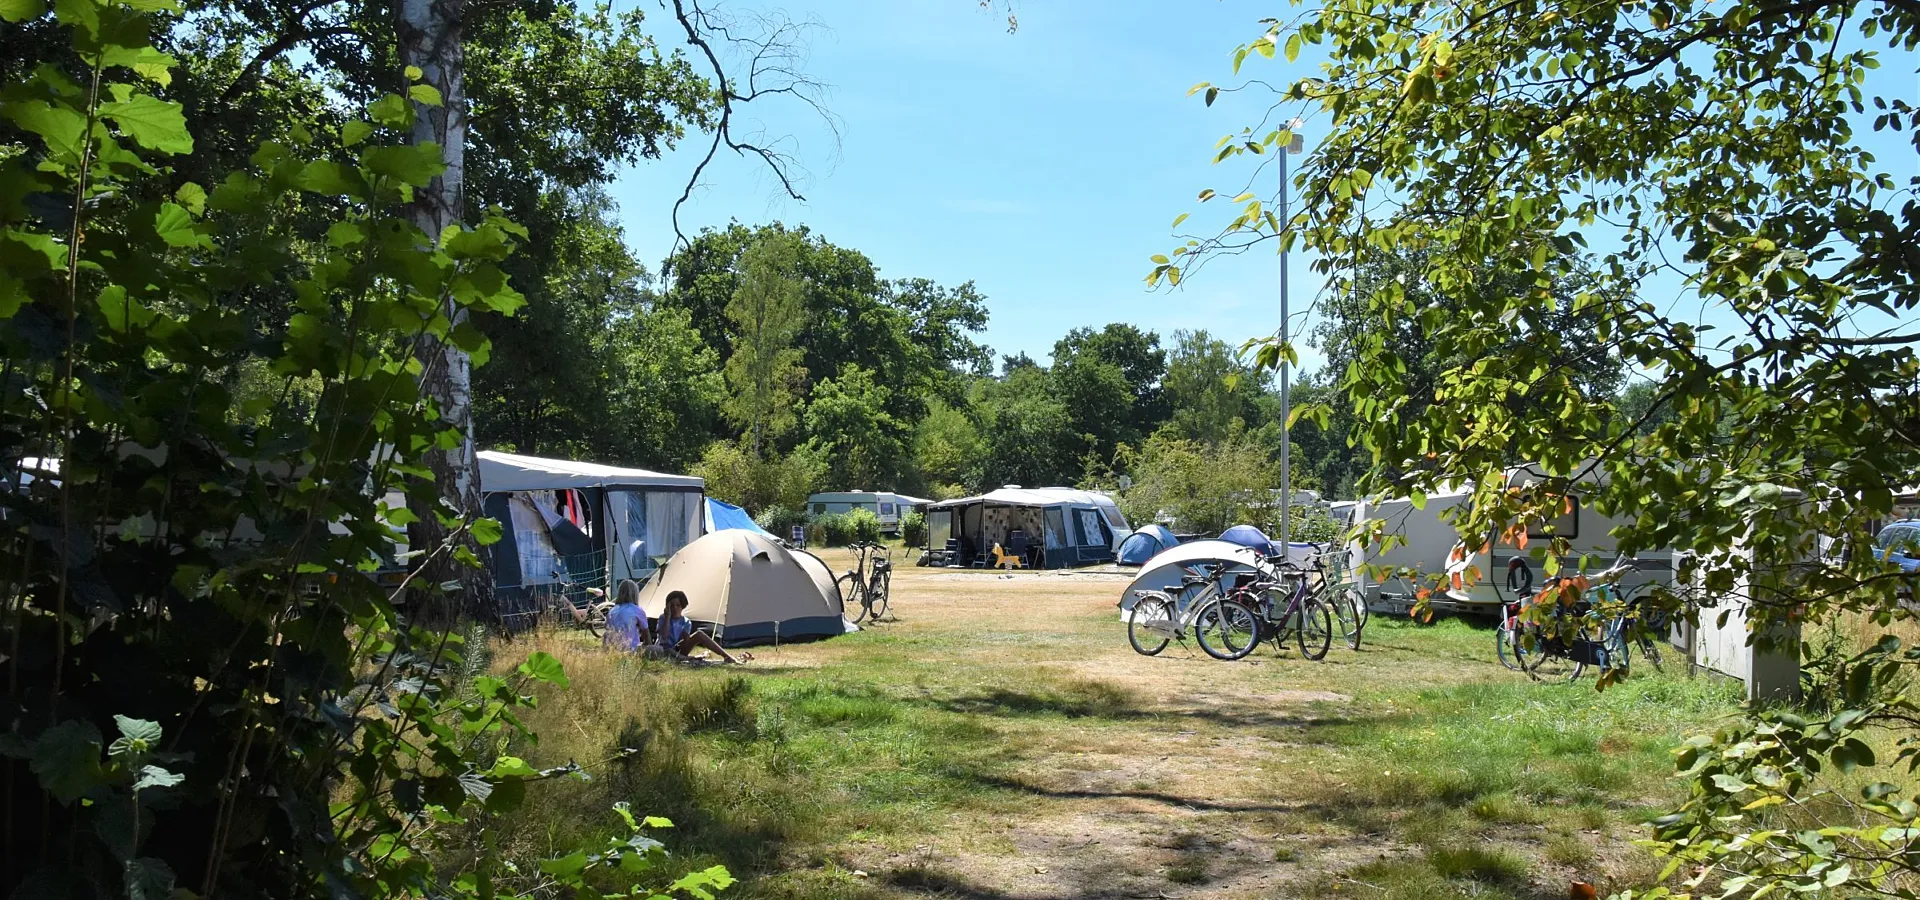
{"x":828,"y":530}
{"x":862,"y":525}
{"x":913,"y":528}
{"x":780,"y":519}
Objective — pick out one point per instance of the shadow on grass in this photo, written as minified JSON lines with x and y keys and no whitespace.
{"x":1093,"y":700}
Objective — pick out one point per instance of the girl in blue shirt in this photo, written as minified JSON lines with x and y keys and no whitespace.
{"x":678,"y":635}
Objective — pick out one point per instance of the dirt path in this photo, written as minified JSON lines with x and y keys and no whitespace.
{"x":1186,"y":777}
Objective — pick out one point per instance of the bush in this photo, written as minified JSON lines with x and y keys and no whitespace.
{"x":841,"y":529}
{"x":913,"y":528}
{"x":862,"y":525}
{"x":780,"y":520}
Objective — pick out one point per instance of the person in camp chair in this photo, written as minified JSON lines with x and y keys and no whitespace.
{"x":680,"y":638}
{"x":626,"y":621}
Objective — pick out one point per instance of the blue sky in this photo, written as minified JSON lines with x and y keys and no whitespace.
{"x":1045,"y":165}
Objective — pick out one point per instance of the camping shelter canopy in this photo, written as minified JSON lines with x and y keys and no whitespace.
{"x":583,"y":524}
{"x":723,"y":516}
{"x":1144,"y":543}
{"x":749,"y":589}
{"x":1070,"y":527}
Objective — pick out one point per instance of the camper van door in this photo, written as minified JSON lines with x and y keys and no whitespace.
{"x":1095,"y":545}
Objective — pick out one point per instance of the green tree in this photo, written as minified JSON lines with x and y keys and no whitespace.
{"x":947,"y":452}
{"x":1207,"y":387}
{"x":863,"y":445}
{"x":1203,"y":487}
{"x":1110,"y":381}
{"x":1719,"y":149}
{"x":757,"y":482}
{"x":1025,"y":431}
{"x":764,"y":371}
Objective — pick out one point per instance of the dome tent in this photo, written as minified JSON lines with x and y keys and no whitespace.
{"x":1144,"y":543}
{"x":748,"y":589}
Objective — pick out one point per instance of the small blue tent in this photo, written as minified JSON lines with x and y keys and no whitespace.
{"x":1144,"y":543}
{"x":726,"y":516}
{"x":1249,"y":536}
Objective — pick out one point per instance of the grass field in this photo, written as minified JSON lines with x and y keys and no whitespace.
{"x":1000,"y":740}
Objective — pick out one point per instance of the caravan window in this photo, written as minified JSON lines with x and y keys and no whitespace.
{"x":1566,"y":525}
{"x":1090,"y":533}
{"x":819,"y":509}
{"x":886,"y":509}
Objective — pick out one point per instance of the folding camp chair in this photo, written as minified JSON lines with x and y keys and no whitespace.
{"x":1017,"y":545}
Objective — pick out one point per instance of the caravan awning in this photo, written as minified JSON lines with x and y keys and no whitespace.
{"x":1032,"y":497}
{"x":513,"y":472}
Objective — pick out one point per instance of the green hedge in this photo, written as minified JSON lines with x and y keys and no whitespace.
{"x":841,"y":529}
{"x":913,"y":528}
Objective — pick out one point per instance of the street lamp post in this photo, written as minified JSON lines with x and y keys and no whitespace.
{"x":1294,"y":145}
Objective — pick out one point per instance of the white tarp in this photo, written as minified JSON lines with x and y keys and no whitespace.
{"x":513,"y":472}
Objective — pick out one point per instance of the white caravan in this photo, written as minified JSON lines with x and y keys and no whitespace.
{"x":1506,"y":571}
{"x":889,"y":506}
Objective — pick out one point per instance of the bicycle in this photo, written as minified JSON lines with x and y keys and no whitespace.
{"x":1581,"y":635}
{"x":1248,"y":616}
{"x":1348,"y":604}
{"x":1156,"y":618}
{"x":867,"y":588}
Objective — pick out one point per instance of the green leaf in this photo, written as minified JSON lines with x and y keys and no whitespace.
{"x":414,"y":164}
{"x":147,"y":878}
{"x":1213,"y":93}
{"x":156,"y":777}
{"x":511,"y":767}
{"x":145,"y":62}
{"x":354,"y":132}
{"x":413,"y":73}
{"x":487,"y":532}
{"x":193,"y":197}
{"x":541,"y":666}
{"x":61,"y":128}
{"x":80,"y":15}
{"x":13,"y":295}
{"x":66,"y":760}
{"x":21,"y":10}
{"x":325,"y":177}
{"x":425,"y":95}
{"x":1293,"y":46}
{"x":155,"y":124}
{"x":136,"y":736}
{"x":568,"y":866}
{"x":175,"y":226}
{"x":392,"y":111}
{"x":1178,"y":219}
{"x":345,"y":234}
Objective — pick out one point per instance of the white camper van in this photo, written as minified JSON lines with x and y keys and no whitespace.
{"x":889,"y":506}
{"x":1506,"y":572}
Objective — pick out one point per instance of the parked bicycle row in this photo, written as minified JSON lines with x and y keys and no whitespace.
{"x":1229,"y":607}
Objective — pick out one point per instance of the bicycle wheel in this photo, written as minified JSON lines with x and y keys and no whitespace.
{"x":877,"y":595}
{"x":1316,"y":628}
{"x":1228,"y":629}
{"x":1347,"y":617}
{"x":1150,"y":625}
{"x":1504,"y":638}
{"x":1550,"y":658}
{"x":853,"y":597}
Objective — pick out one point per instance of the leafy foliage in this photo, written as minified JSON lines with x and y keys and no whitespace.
{"x":198,"y":583}
{"x":1594,"y":165}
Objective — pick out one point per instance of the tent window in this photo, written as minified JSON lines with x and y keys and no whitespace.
{"x":673,"y":519}
{"x":1090,"y":534}
{"x":939,"y":528}
{"x":1113,"y":517}
{"x":1056,"y":529}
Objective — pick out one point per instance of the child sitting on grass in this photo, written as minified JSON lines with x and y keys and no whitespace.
{"x":626,"y":621}
{"x":679,"y":637}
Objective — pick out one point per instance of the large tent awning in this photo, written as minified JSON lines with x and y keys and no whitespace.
{"x":513,"y":472}
{"x":1032,"y":497}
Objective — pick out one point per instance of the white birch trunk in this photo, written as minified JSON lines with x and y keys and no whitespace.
{"x":430,"y":39}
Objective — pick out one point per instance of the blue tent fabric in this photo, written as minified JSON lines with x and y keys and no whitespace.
{"x":1144,"y":543}
{"x":726,"y":516}
{"x":1249,"y":536}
